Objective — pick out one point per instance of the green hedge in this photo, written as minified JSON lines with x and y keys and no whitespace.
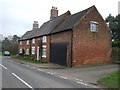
{"x":115,"y":55}
{"x":116,"y":44}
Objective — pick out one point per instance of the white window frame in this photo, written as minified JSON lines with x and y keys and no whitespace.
{"x":27,"y":42}
{"x":93,"y":28}
{"x":44,"y":39}
{"x":33,"y":40}
{"x":33,"y":50}
{"x":27,"y":51}
{"x":20,"y":42}
{"x":44,"y":49}
{"x":20,"y":51}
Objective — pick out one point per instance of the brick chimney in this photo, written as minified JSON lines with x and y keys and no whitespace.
{"x":35,"y":25}
{"x":54,"y":12}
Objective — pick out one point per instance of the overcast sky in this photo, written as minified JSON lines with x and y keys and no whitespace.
{"x":17,"y":16}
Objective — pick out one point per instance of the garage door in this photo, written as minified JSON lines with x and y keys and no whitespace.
{"x":58,"y":53}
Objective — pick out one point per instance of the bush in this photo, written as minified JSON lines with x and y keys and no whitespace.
{"x":115,"y":55}
{"x":116,"y":44}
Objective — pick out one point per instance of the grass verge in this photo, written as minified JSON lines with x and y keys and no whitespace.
{"x":0,"y":53}
{"x":111,"y":80}
{"x":27,"y":60}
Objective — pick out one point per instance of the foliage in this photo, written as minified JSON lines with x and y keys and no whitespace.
{"x":114,"y":25}
{"x":26,"y":59}
{"x":111,"y":80}
{"x":115,"y":55}
{"x":116,"y":44}
{"x":10,"y":45}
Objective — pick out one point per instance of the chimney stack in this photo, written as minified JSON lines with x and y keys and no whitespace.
{"x":54,"y":12}
{"x":35,"y":25}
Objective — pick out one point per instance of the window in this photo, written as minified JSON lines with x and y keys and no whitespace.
{"x":27,"y":51}
{"x":33,"y":40}
{"x":44,"y":51}
{"x":93,"y":26}
{"x":27,"y":42}
{"x":20,"y":42}
{"x":33,"y":50}
{"x":20,"y":51}
{"x":44,"y":39}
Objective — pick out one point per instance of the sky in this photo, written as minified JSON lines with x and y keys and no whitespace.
{"x":17,"y":16}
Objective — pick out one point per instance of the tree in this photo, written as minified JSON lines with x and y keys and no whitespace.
{"x":15,"y":38}
{"x":10,"y":45}
{"x":114,"y":25}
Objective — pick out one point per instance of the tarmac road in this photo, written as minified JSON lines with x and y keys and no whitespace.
{"x":16,"y":75}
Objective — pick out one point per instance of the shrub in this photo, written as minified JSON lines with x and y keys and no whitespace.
{"x":115,"y":55}
{"x":116,"y":44}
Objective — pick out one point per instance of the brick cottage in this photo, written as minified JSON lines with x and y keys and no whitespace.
{"x":71,"y":40}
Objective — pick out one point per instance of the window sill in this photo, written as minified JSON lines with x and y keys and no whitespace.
{"x":93,"y":31}
{"x":44,"y":56}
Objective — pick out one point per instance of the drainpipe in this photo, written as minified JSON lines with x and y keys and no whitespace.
{"x":71,"y":46}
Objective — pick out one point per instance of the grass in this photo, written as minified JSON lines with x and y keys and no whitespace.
{"x":0,"y":53}
{"x":111,"y":80}
{"x":27,"y":60}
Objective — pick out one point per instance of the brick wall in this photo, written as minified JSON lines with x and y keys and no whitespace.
{"x":63,"y":37}
{"x":91,"y":47}
{"x":24,"y":45}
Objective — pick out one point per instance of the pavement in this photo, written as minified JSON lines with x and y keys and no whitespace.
{"x":86,"y":74}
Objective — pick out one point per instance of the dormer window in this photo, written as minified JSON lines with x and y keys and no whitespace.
{"x":33,"y":40}
{"x":44,"y":39}
{"x":93,"y":26}
{"x":20,"y":42}
{"x":27,"y":42}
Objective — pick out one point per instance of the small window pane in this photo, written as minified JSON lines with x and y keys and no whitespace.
{"x":27,"y":42}
{"x":33,"y":50}
{"x":94,"y":26}
{"x":44,"y":39}
{"x":33,"y":40}
{"x":20,"y":51}
{"x":27,"y":51}
{"x":43,"y":51}
{"x":20,"y":42}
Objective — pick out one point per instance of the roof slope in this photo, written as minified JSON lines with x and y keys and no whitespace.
{"x":50,"y":25}
{"x":72,"y":20}
{"x":26,"y":35}
{"x":46,"y":28}
{"x":61,"y":23}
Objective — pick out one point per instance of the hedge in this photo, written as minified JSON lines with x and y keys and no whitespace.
{"x":116,"y":44}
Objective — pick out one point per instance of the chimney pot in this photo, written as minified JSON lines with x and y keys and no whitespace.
{"x":54,"y":12}
{"x":35,"y":25}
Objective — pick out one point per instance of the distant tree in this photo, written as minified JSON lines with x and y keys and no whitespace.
{"x":6,"y":44}
{"x":10,"y":45}
{"x":114,"y":25}
{"x":15,"y":38}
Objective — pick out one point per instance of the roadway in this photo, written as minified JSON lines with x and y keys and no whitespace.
{"x":16,"y":75}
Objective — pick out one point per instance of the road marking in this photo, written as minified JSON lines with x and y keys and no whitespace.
{"x":27,"y":65}
{"x":81,"y":83}
{"x":39,"y":69}
{"x":76,"y":79}
{"x":63,"y":77}
{"x":3,"y":66}
{"x":49,"y":73}
{"x":22,"y":81}
{"x":33,"y":67}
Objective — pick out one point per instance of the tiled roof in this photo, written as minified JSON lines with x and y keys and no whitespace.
{"x":61,"y":23}
{"x":71,"y":21}
{"x":27,"y":35}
